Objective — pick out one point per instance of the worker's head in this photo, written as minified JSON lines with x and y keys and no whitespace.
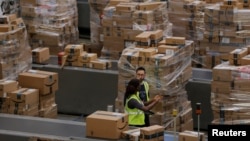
{"x":140,"y":73}
{"x":132,"y":88}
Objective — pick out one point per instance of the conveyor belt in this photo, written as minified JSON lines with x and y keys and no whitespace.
{"x":21,"y":128}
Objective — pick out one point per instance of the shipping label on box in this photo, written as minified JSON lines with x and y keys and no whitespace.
{"x":97,"y":123}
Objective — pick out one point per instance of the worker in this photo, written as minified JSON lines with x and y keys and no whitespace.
{"x":134,"y":106}
{"x":143,"y":92}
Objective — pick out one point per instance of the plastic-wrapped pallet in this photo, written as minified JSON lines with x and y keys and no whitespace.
{"x":15,"y":52}
{"x":53,"y":24}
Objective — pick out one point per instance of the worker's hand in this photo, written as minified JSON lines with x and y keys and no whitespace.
{"x":158,"y":97}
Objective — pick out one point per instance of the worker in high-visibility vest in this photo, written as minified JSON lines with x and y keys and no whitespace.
{"x":134,"y":106}
{"x":143,"y":92}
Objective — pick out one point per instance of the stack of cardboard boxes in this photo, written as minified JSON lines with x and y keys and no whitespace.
{"x":124,"y":20}
{"x":230,"y":89}
{"x":52,"y":24}
{"x":33,"y":94}
{"x":15,"y":51}
{"x":168,"y":69}
{"x":75,"y":55}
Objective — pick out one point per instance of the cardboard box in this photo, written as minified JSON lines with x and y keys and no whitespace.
{"x":161,"y":60}
{"x":87,"y":57}
{"x":40,"y":55}
{"x":45,"y":81}
{"x":175,"y":40}
{"x":106,"y":125}
{"x":4,"y":104}
{"x":147,"y":52}
{"x":166,"y":48}
{"x":131,"y":134}
{"x":7,"y":86}
{"x":25,"y":96}
{"x":188,"y":135}
{"x":74,"y":49}
{"x":100,"y":64}
{"x":245,"y":60}
{"x":152,"y":133}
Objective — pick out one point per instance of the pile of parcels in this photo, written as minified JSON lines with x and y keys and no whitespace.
{"x":33,"y":94}
{"x":168,"y":67}
{"x":76,"y":55}
{"x":113,"y":125}
{"x":15,"y":54}
{"x":50,"y":23}
{"x":230,"y":89}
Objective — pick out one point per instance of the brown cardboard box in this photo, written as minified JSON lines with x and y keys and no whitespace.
{"x":236,"y":55}
{"x":46,"y":101}
{"x":223,"y":73}
{"x":45,"y":81}
{"x":4,"y":104}
{"x":175,"y":40}
{"x":49,"y":112}
{"x":245,"y":60}
{"x":100,"y":64}
{"x":74,"y":49}
{"x":40,"y":55}
{"x":188,"y":135}
{"x":221,"y":87}
{"x":25,"y":95}
{"x":131,"y":134}
{"x":87,"y":57}
{"x":147,"y":52}
{"x":161,"y":60}
{"x":164,"y":48}
{"x":107,"y":125}
{"x":152,"y":133}
{"x":150,"y":6}
{"x":7,"y":86}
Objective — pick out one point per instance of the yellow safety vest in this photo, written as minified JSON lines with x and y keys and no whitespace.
{"x":136,"y":116}
{"x":146,"y":85}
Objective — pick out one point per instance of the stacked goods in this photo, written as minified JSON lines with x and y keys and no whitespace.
{"x":75,"y":55}
{"x":15,"y":56}
{"x":230,"y":90}
{"x":168,"y":68}
{"x":226,"y":28}
{"x":187,"y":17}
{"x":6,"y":86}
{"x":124,"y":20}
{"x":50,"y":23}
{"x":24,"y":101}
{"x":46,"y":84}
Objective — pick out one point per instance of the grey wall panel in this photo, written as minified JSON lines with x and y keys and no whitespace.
{"x":83,"y":90}
{"x":200,"y":92}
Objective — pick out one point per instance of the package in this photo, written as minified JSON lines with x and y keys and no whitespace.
{"x":40,"y":55}
{"x":106,"y":125}
{"x":45,"y":81}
